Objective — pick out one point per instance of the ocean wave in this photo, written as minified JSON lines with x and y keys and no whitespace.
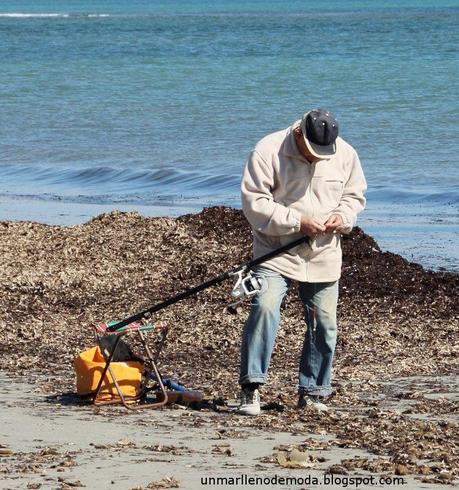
{"x":217,"y":15}
{"x":120,"y":181}
{"x":31,"y":15}
{"x":115,"y":180}
{"x":56,"y":15}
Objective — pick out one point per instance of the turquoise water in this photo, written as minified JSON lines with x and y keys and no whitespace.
{"x":155,"y":105}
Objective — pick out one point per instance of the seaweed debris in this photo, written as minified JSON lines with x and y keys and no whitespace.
{"x":396,"y":320}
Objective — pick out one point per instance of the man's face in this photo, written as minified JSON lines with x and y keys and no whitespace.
{"x":299,"y":140}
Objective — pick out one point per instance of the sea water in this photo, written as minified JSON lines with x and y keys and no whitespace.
{"x":154,"y":105}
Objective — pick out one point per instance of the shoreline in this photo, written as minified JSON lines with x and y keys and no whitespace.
{"x":397,"y":343}
{"x":427,"y":240}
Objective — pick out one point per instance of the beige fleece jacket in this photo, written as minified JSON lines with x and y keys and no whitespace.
{"x":279,"y":186}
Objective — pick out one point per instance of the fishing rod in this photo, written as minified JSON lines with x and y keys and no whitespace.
{"x":246,"y":286}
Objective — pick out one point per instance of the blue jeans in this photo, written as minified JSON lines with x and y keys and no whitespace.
{"x":260,"y":330}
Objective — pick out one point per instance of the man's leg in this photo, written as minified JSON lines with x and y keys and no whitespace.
{"x":320,"y":301}
{"x":260,"y":329}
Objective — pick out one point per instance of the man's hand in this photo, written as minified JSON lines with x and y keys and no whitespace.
{"x":334,"y":224}
{"x":310,"y":227}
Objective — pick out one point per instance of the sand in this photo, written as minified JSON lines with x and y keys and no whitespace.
{"x":52,"y":442}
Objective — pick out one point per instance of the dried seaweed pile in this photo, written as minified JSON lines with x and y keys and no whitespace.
{"x":396,"y":319}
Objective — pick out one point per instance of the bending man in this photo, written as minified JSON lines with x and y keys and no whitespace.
{"x":302,"y":180}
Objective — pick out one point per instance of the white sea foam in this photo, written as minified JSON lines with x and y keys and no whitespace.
{"x":20,"y":15}
{"x":25,"y":15}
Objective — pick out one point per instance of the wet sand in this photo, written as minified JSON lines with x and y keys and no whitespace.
{"x":53,"y":442}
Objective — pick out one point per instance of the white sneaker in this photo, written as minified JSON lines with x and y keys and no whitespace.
{"x":250,"y":402}
{"x":311,"y":402}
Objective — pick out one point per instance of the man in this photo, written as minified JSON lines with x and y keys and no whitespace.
{"x":303,"y":180}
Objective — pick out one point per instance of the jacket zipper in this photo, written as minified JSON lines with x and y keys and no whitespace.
{"x":311,"y":167}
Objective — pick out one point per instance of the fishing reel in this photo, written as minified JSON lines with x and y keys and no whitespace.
{"x":247,"y":285}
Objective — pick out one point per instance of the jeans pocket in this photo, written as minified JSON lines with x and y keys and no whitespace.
{"x":262,"y":274}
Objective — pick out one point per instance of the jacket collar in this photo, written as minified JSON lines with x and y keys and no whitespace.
{"x":289,"y":147}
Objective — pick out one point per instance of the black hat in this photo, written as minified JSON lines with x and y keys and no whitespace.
{"x":320,"y":130}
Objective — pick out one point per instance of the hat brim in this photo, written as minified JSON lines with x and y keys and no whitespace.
{"x":320,"y":151}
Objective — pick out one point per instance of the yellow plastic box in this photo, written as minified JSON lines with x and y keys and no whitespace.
{"x":89,"y":366}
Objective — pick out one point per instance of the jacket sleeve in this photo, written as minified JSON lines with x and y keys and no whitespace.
{"x":263,"y":213}
{"x":352,"y":200}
